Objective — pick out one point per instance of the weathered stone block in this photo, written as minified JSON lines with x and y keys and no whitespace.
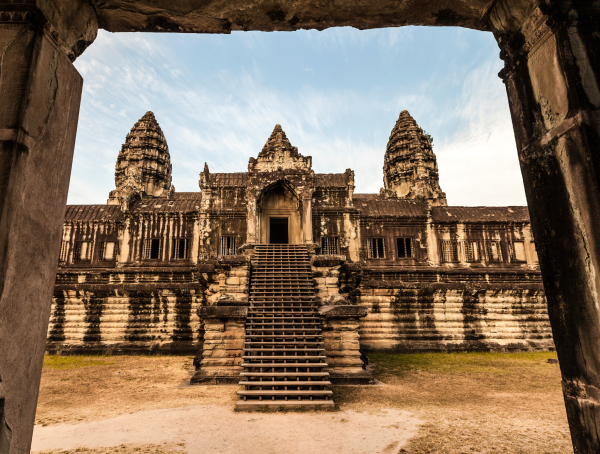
{"x":232,"y":281}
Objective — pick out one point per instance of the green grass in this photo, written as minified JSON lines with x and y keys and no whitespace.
{"x":459,"y":363}
{"x":75,"y":362}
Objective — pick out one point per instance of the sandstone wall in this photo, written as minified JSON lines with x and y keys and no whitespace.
{"x":454,"y":316}
{"x":142,"y":310}
{"x":126,"y":312}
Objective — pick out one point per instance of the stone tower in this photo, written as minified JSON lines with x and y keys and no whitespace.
{"x":410,"y":168}
{"x":279,"y":154}
{"x":144,"y":164}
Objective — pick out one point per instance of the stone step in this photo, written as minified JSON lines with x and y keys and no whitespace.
{"x":283,"y":331}
{"x":302,"y":383}
{"x":273,"y":323}
{"x":282,"y":343}
{"x":284,"y":357}
{"x":285,"y":365}
{"x":282,"y":288}
{"x":285,"y":336}
{"x":284,"y":349}
{"x":253,"y":404}
{"x":288,"y":392}
{"x":254,"y":331}
{"x":282,"y":318}
{"x":307,"y":300}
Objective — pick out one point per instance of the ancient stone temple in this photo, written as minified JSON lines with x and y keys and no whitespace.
{"x":280,"y":257}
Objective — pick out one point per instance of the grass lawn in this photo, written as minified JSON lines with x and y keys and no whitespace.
{"x":470,"y":402}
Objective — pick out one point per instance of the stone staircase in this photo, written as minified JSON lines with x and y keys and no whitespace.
{"x":284,"y":357}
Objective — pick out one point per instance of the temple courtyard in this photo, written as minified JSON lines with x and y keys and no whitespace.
{"x":422,"y":403}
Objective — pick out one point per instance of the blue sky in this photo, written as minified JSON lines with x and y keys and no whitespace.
{"x":337,"y":94}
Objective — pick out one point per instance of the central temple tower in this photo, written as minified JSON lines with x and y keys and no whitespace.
{"x":279,"y":196}
{"x":410,"y":168}
{"x":143,"y":166}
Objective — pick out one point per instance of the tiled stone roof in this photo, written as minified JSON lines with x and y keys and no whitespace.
{"x":378,"y":206}
{"x":481,"y":214}
{"x":187,"y":195}
{"x":93,"y":213}
{"x":229,"y":179}
{"x":328,"y":180}
{"x":163,"y":205}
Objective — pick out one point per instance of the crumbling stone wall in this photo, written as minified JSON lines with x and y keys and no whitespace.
{"x":228,"y":279}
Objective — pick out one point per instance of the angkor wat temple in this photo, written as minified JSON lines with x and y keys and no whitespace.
{"x":155,"y":270}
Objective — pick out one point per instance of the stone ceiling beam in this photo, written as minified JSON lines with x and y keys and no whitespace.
{"x":224,"y":16}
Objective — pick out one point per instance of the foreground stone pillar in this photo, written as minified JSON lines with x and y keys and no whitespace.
{"x":220,"y":360}
{"x":40,"y":92}
{"x":342,"y":344}
{"x":552,"y":77}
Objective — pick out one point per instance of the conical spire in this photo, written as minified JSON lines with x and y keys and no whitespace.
{"x":144,"y":164}
{"x":277,"y":141}
{"x":279,"y":154}
{"x":410,"y":167}
{"x":407,"y":138}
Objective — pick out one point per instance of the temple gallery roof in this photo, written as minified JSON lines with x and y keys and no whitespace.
{"x":374,"y":205}
{"x":229,"y":179}
{"x":93,"y":212}
{"x":165,"y":205}
{"x":480,"y":214}
{"x":331,"y":180}
{"x":368,"y":204}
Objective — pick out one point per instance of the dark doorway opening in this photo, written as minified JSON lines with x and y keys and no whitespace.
{"x":278,"y":229}
{"x":155,"y":249}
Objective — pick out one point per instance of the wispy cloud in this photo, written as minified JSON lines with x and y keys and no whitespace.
{"x":478,"y":162}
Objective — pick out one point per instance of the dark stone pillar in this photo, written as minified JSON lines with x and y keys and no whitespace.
{"x":552,"y":77}
{"x":40,"y":91}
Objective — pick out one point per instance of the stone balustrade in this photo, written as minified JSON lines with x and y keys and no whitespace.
{"x":219,"y":361}
{"x":342,"y":344}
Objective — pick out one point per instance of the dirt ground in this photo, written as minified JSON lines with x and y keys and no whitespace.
{"x":466,"y":403}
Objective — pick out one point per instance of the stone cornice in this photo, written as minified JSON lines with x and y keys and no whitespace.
{"x":71,"y":25}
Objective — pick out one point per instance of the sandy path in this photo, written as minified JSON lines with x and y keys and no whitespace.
{"x":217,"y":429}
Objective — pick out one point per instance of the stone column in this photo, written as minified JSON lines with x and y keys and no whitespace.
{"x":307,"y":218}
{"x":252,"y":230}
{"x":552,"y":76}
{"x":40,"y":92}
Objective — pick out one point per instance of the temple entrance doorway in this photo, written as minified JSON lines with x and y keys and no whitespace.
{"x":278,"y":231}
{"x":279,"y":216}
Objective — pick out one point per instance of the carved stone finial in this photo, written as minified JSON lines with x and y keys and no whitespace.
{"x":278,"y":154}
{"x":205,"y":177}
{"x":410,"y":167}
{"x":278,"y":142}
